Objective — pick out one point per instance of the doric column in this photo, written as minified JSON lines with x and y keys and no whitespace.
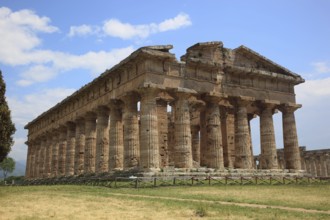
{"x":149,"y":140}
{"x":243,"y":157}
{"x":250,"y":117}
{"x":70,"y":149}
{"x":195,"y":143}
{"x":214,"y":150}
{"x":90,"y":142}
{"x":268,"y":157}
{"x":163,"y":132}
{"x":62,"y":151}
{"x":42,"y":153}
{"x":291,"y":146}
{"x":131,"y":132}
{"x":323,"y":161}
{"x":170,"y":136}
{"x":28,"y":160}
{"x":80,"y":147}
{"x":116,"y":150}
{"x":182,"y":148}
{"x":228,"y":136}
{"x":38,"y":159}
{"x":313,"y":166}
{"x":48,"y":157}
{"x":203,"y":138}
{"x":102,"y":140}
{"x":318,"y":165}
{"x":55,"y":153}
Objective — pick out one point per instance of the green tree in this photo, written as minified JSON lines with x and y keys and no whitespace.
{"x":7,"y":128}
{"x":7,"y":166}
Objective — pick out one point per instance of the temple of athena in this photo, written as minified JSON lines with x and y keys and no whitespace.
{"x":153,"y":113}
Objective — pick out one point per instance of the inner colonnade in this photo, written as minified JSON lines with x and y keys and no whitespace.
{"x":122,"y":120}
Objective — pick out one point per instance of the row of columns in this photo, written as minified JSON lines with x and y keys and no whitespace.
{"x":111,"y":138}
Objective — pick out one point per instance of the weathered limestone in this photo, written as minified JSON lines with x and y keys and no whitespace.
{"x":291,"y":147}
{"x":268,"y":157}
{"x":28,"y":161}
{"x":90,"y":142}
{"x":131,"y":132}
{"x":214,"y":149}
{"x":55,"y":152}
{"x":182,"y":148}
{"x":242,"y":136}
{"x":48,"y":157}
{"x":162,"y":119}
{"x":70,"y":149}
{"x":80,"y":147}
{"x":120,"y":121}
{"x":228,"y":136}
{"x":62,"y":151}
{"x":102,"y":140}
{"x":149,"y":140}
{"x":195,"y":143}
{"x":116,"y":150}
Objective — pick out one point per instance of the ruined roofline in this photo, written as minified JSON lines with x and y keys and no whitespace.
{"x":156,"y":51}
{"x":244,"y":49}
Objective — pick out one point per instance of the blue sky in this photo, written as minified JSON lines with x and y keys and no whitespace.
{"x":49,"y":49}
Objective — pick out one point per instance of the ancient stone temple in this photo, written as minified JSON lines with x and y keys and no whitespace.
{"x":151,"y":112}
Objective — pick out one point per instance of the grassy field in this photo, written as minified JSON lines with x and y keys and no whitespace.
{"x":206,"y":202}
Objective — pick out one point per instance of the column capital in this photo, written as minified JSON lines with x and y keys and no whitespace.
{"x":115,"y":104}
{"x":130,"y":97}
{"x":90,"y":115}
{"x":241,"y":100}
{"x":289,"y":107}
{"x":268,"y":104}
{"x":102,"y":110}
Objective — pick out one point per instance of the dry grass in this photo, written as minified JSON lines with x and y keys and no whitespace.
{"x":83,"y":202}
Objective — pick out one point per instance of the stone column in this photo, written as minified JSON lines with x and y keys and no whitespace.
{"x":116,"y":150}
{"x":318,"y":165}
{"x":90,"y":143}
{"x":313,"y":166}
{"x":203,"y":139}
{"x":55,"y":152}
{"x":28,"y":160}
{"x":228,"y":136}
{"x":323,"y":161}
{"x":70,"y":150}
{"x":195,"y":143}
{"x":163,"y":132}
{"x":182,"y":148}
{"x":131,"y":132}
{"x":268,"y":157}
{"x":102,"y":140}
{"x":170,"y":136}
{"x":48,"y":163}
{"x":42,"y":157}
{"x":149,"y":140}
{"x":62,"y":151}
{"x":291,"y":146}
{"x":214,"y":150}
{"x":250,"y":117}
{"x":80,"y":147}
{"x":243,"y":157}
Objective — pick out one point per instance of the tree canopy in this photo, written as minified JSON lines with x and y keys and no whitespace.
{"x":7,"y":128}
{"x":7,"y":166}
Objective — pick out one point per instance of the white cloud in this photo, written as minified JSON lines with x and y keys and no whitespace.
{"x":181,"y":20}
{"x":322,"y":67}
{"x":116,"y":28}
{"x":25,"y":108}
{"x":313,"y":91}
{"x":19,"y":46}
{"x":18,"y":34}
{"x":82,"y":30}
